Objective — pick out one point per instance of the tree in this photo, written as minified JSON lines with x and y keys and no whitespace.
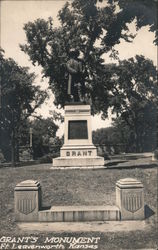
{"x":94,"y":31}
{"x":84,"y":26}
{"x":136,"y":97}
{"x":144,"y":11}
{"x":19,"y":100}
{"x":45,"y":143}
{"x":112,"y":139}
{"x":146,"y":134}
{"x":104,"y":136}
{"x":43,"y":132}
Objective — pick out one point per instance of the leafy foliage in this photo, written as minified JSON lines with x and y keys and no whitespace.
{"x":135,"y":84}
{"x":84,"y":26}
{"x":19,"y":99}
{"x":136,"y":99}
{"x":112,"y":139}
{"x":43,"y":131}
{"x":144,"y":11}
{"x":44,"y":139}
{"x":104,"y":136}
{"x":93,"y":29}
{"x":141,"y":138}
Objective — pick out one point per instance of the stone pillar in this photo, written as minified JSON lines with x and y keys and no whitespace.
{"x":130,"y":199}
{"x":27,"y":195}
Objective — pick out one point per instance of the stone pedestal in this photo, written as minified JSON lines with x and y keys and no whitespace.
{"x":78,"y":149}
{"x":27,"y":200}
{"x":130,"y":199}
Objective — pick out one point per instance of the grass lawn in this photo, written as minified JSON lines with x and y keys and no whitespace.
{"x":81,"y":187}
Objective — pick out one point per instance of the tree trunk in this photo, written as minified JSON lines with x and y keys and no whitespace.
{"x":13,"y":141}
{"x":13,"y":148}
{"x":17,"y":151}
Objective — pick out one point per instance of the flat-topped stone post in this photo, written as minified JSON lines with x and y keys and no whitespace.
{"x":27,"y":195}
{"x":130,"y":199}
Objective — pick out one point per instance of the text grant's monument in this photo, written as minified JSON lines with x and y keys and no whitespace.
{"x":78,"y":149}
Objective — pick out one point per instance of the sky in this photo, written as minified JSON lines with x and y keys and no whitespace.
{"x":13,"y":16}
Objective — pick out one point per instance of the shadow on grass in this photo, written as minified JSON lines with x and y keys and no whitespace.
{"x":114,"y":163}
{"x":45,"y":208}
{"x":148,"y":212}
{"x":130,"y":167}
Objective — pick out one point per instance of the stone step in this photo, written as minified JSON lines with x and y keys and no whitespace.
{"x":79,"y":214}
{"x":79,"y":167}
{"x":82,"y":161}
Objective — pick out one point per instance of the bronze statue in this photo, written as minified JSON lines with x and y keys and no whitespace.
{"x":75,"y":81}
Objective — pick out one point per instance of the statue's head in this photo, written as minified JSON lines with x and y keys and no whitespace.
{"x":74,"y":53}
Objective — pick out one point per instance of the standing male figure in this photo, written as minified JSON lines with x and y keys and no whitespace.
{"x":75,"y":81}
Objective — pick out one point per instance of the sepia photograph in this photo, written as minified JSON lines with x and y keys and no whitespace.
{"x":78,"y":124}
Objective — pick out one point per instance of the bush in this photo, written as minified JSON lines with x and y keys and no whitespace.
{"x":48,"y":158}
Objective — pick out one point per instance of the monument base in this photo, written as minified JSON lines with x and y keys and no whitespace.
{"x":78,"y":156}
{"x":78,"y":149}
{"x":78,"y":162}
